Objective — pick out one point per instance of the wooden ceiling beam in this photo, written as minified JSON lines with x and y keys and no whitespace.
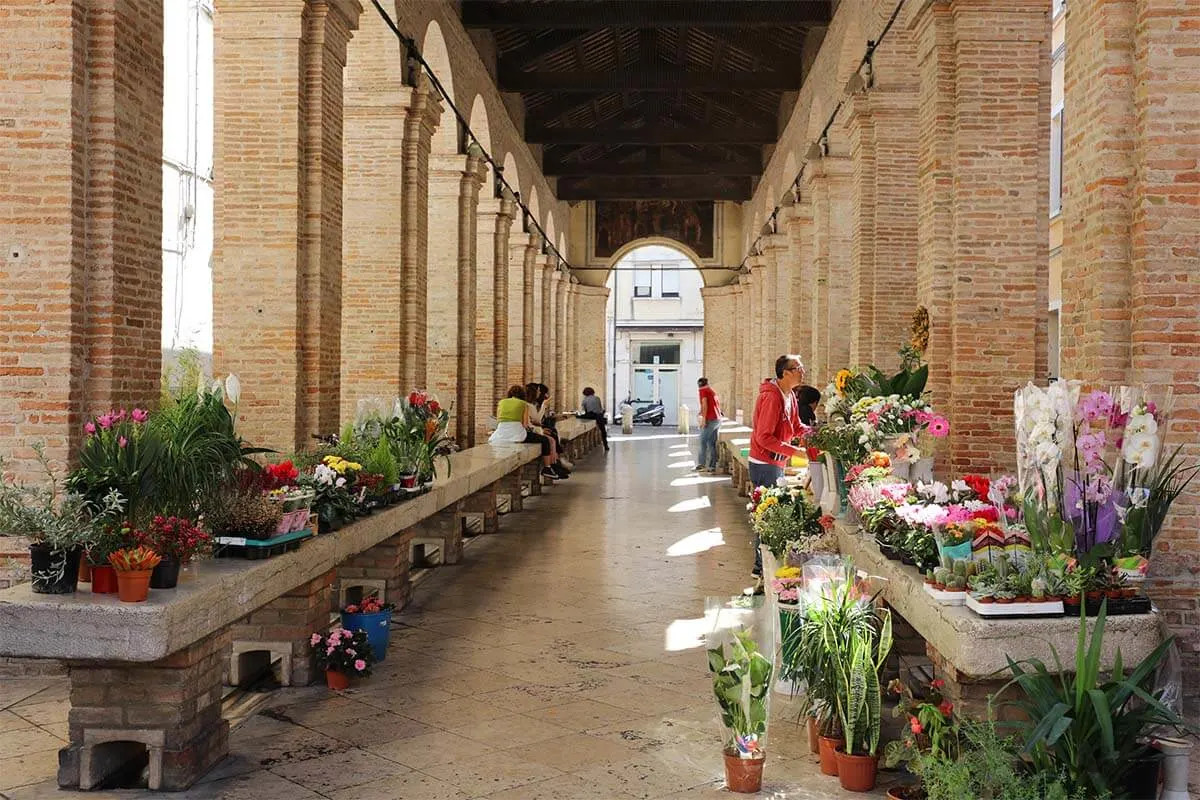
{"x":752,"y":135}
{"x":738,"y":189}
{"x":540,"y":46}
{"x":646,"y":80}
{"x":605,"y":13}
{"x":606,"y":167}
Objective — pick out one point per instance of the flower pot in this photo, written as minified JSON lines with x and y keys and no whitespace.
{"x":985,"y":600}
{"x":856,"y":773}
{"x":104,"y":580}
{"x":909,"y":792}
{"x":816,"y":479}
{"x":1004,"y":600}
{"x":133,"y":586}
{"x":908,"y":560}
{"x":1094,"y":597}
{"x":337,"y":681}
{"x":814,"y":739}
{"x":85,"y":569}
{"x":377,"y":627}
{"x":408,"y":481}
{"x":165,"y":575}
{"x":743,"y":775}
{"x":827,"y":749}
{"x":921,"y":471}
{"x":53,"y":571}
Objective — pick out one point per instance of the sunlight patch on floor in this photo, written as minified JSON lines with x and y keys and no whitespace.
{"x":697,"y":543}
{"x":694,"y":504}
{"x":699,"y":480}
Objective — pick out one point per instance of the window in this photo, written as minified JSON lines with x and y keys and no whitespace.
{"x":1059,"y":7}
{"x":1056,"y":162}
{"x":670,"y":283}
{"x":642,"y":282}
{"x":665,"y":352}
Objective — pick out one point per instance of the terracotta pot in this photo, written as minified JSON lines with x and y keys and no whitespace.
{"x":1129,"y":593}
{"x":85,"y":569}
{"x":856,"y":773}
{"x":814,"y":738}
{"x":133,"y":586}
{"x":1095,"y":596}
{"x":909,"y":792}
{"x":939,"y":586}
{"x":104,"y":580}
{"x":986,"y":600}
{"x":1114,"y":594}
{"x":338,"y":681}
{"x":956,"y":589}
{"x":1004,"y":600}
{"x":743,"y":775}
{"x":828,"y":752}
{"x":1021,"y":599}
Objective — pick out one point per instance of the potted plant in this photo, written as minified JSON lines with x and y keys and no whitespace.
{"x":342,"y":654}
{"x":58,"y":525}
{"x":741,"y":684}
{"x":134,"y":566}
{"x":119,"y":453}
{"x":374,"y":618}
{"x":176,"y":541}
{"x":929,"y":730}
{"x":109,"y":539}
{"x":247,"y":510}
{"x":859,"y":657}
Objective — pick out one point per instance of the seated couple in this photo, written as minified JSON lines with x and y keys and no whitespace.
{"x":514,"y":427}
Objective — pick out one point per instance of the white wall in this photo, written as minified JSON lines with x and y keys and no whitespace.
{"x":187,"y":175}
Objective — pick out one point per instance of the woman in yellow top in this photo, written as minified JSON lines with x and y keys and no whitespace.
{"x":512,"y":418}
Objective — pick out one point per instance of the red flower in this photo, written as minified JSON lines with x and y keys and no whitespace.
{"x":915,"y":725}
{"x":351,"y":609}
{"x":989,"y":514}
{"x":814,"y":453}
{"x":946,"y":707}
{"x":937,"y":683}
{"x":979,"y":485}
{"x":434,"y":408}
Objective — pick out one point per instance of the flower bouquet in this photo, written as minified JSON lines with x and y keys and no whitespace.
{"x":342,"y":654}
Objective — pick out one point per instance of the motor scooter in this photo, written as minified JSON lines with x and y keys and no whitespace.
{"x":652,"y":412}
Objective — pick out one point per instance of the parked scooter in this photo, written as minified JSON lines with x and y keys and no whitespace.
{"x":652,"y":413}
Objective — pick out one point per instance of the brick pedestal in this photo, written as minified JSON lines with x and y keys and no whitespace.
{"x":483,"y":504}
{"x":447,"y":528}
{"x":169,"y":709}
{"x":531,"y":473}
{"x":385,"y":566}
{"x":969,"y":694}
{"x":283,"y":627}
{"x":512,"y":486}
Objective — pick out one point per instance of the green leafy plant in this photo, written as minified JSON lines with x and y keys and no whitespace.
{"x":741,"y":681}
{"x":121,"y":453}
{"x":1086,"y":727}
{"x":861,"y":655}
{"x":1143,"y":521}
{"x":381,"y":461}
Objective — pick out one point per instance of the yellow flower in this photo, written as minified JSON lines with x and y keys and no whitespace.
{"x":840,"y":380}
{"x":787,"y":572}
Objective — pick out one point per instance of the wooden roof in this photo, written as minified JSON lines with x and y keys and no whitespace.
{"x":651,"y":99}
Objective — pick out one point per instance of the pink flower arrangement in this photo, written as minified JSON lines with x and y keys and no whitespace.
{"x":344,"y":651}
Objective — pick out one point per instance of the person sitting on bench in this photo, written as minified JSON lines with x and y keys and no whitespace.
{"x":593,"y":409}
{"x":513,"y":426}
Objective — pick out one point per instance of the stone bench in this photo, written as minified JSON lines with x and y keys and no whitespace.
{"x":148,"y":677}
{"x":968,"y":651}
{"x":578,"y":436}
{"x":732,"y":438}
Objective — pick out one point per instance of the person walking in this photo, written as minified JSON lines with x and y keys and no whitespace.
{"x":710,"y":425}
{"x":593,"y":408}
{"x":776,"y":424}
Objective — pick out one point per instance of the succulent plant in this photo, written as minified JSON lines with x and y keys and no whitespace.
{"x":1037,"y":588}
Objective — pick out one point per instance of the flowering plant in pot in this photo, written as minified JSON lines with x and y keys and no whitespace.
{"x":342,"y":654}
{"x":177,"y":541}
{"x":134,"y":566}
{"x":59,"y":526}
{"x":247,"y":511}
{"x":119,"y":453}
{"x":929,"y":728}
{"x":373,"y":617}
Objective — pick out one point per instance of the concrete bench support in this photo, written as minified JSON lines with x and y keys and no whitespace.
{"x":385,"y":566}
{"x":171,"y":709}
{"x":483,"y":503}
{"x":512,"y":486}
{"x":531,"y":474}
{"x":447,"y":526}
{"x":286,"y":624}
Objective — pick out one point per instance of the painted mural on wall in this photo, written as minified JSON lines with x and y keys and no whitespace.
{"x":618,"y":222}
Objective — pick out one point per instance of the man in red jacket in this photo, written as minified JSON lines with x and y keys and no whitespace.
{"x":776,"y":424}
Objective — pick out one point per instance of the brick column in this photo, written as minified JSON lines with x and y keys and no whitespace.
{"x":562,"y":388}
{"x":828,"y":183}
{"x":778,"y":291}
{"x":453,"y":194}
{"x":538,"y":308}
{"x":383,"y":567}
{"x":741,"y":377}
{"x":754,"y":318}
{"x":1130,"y":252}
{"x":379,"y":111}
{"x":277,"y":256}
{"x":983,"y":221}
{"x":573,"y":388}
{"x":494,"y":216}
{"x":522,"y":251}
{"x":80,"y":219}
{"x":591,"y":321}
{"x":283,"y":627}
{"x":550,"y":278}
{"x":720,"y":335}
{"x":798,"y":224}
{"x":424,"y":113}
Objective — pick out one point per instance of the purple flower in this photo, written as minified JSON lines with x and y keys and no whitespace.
{"x":1096,"y":406}
{"x":105,"y":421}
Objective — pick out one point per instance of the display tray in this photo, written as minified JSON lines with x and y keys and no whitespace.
{"x":1118,"y":608}
{"x":255,"y":549}
{"x":1002,"y":610}
{"x":946,"y":598}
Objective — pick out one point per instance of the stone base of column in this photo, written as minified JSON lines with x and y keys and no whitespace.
{"x":168,"y":711}
{"x":284,"y":626}
{"x":531,"y":474}
{"x":969,"y":694}
{"x":383,"y":570}
{"x":447,"y":528}
{"x":512,"y":487}
{"x":483,"y":504}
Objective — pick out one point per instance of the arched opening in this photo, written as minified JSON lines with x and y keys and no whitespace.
{"x":655,"y":319}
{"x":433,"y":48}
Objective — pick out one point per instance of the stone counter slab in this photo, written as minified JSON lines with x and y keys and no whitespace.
{"x":84,"y":626}
{"x":976,"y":647}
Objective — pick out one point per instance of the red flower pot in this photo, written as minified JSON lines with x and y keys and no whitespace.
{"x":743,"y":775}
{"x":104,"y":580}
{"x":338,"y":681}
{"x":856,"y":773}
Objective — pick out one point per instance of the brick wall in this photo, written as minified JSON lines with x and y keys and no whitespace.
{"x":721,"y":331}
{"x":590,"y":323}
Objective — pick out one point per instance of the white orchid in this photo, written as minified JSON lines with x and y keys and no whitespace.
{"x":1141,"y":449}
{"x":233,"y":388}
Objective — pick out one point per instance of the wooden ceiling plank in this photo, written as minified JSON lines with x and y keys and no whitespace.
{"x":646,"y":80}
{"x":604,"y":13}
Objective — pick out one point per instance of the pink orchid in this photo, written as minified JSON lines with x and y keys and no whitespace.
{"x":89,"y":428}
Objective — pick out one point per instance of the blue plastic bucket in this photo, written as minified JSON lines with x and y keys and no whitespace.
{"x":377,"y":627}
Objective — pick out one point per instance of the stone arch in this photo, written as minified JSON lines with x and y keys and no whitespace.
{"x":561,"y":244}
{"x":791,"y":165}
{"x":549,"y":227}
{"x":661,"y":241}
{"x":446,"y":139}
{"x":534,"y":210}
{"x":853,"y":45}
{"x":512,"y":174}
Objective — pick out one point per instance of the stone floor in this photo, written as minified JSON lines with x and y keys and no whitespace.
{"x":559,"y":661}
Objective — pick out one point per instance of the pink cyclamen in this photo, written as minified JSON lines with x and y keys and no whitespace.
{"x":360,"y":665}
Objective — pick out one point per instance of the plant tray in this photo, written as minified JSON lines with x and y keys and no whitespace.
{"x":1002,"y":610}
{"x":1119,"y":608}
{"x":257,"y":549}
{"x":946,"y":598}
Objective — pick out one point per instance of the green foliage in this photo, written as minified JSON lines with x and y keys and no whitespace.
{"x":381,"y":461}
{"x":741,"y":681}
{"x":121,"y":456}
{"x":185,"y":377}
{"x":1089,"y":728}
{"x":859,"y":696}
{"x":1143,"y":524}
{"x":905,"y":383}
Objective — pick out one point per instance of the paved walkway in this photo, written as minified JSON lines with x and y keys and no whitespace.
{"x":558,"y":662}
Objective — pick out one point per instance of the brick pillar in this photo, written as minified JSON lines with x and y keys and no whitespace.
{"x":424,"y":113}
{"x":562,"y":387}
{"x":778,"y":290}
{"x":522,"y":251}
{"x":1130,"y":251}
{"x":453,"y":194}
{"x":591,"y":321}
{"x":277,"y":257}
{"x":494,"y":216}
{"x":377,"y":110}
{"x":385,"y":566}
{"x":538,"y":308}
{"x":828,"y":182}
{"x":741,"y":379}
{"x":571,"y":391}
{"x":80,"y":219}
{"x":171,"y":709}
{"x":283,"y":627}
{"x":883,"y":155}
{"x":551,"y":278}
{"x":983,"y":212}
{"x":754,"y":293}
{"x":721,"y":332}
{"x":798,"y":223}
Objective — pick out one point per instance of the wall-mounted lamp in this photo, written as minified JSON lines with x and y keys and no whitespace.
{"x":864,"y":77}
{"x":818,"y":149}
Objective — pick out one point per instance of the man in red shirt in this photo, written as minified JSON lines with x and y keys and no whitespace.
{"x":710,"y":423}
{"x":776,"y":424}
